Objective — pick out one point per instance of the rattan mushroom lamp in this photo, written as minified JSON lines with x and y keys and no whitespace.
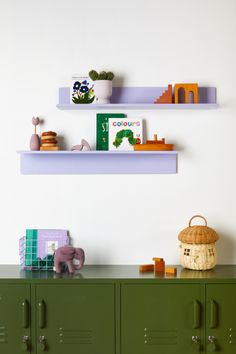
{"x":197,"y":246}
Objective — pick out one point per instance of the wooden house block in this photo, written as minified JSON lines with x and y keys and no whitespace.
{"x":159,"y":265}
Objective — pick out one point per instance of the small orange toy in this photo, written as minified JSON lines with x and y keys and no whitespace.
{"x":146,"y":268}
{"x":154,"y":145}
{"x":159,"y":265}
{"x":182,"y":93}
{"x":171,"y":270}
{"x":166,"y":96}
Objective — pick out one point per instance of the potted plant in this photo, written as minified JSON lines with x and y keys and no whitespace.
{"x":102,"y":85}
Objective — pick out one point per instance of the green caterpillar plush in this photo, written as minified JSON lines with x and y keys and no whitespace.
{"x":124,"y":133}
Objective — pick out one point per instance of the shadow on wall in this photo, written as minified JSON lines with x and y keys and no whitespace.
{"x":225,"y":248}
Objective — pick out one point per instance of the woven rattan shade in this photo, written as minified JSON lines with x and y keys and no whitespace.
{"x":198,"y":234}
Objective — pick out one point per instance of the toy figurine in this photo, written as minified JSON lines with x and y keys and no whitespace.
{"x":84,"y":146}
{"x":35,"y":141}
{"x":66,"y":254}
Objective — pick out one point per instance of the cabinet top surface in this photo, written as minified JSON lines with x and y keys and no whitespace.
{"x":123,"y":272}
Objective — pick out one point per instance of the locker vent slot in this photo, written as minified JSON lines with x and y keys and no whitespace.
{"x":160,"y":337}
{"x":3,"y":334}
{"x":75,"y":336}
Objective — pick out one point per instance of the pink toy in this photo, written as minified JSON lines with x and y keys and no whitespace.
{"x":66,"y":254}
{"x":83,"y":146}
{"x":35,"y":141}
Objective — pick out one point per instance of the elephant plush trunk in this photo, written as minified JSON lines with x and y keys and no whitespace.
{"x":79,"y":254}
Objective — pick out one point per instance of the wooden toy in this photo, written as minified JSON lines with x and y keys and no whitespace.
{"x":166,"y":96}
{"x":84,"y":146}
{"x":35,"y":141}
{"x":182,"y":93}
{"x":154,"y":145}
{"x":171,"y":270}
{"x":146,"y":268}
{"x":159,"y":265}
{"x":49,"y":142}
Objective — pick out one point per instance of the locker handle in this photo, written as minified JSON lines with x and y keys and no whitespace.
{"x":213,"y":314}
{"x":41,"y":314}
{"x":25,"y":313}
{"x":196,"y":314}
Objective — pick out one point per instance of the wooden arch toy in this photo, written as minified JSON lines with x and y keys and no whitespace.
{"x":188,"y":88}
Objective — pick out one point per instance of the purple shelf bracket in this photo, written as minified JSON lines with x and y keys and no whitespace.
{"x":97,"y":162}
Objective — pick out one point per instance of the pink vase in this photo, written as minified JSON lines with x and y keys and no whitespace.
{"x":34,"y":142}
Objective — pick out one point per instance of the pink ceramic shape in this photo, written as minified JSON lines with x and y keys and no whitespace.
{"x":34,"y":142}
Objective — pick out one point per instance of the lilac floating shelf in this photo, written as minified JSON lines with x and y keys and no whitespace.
{"x":139,"y":98}
{"x":97,"y":162}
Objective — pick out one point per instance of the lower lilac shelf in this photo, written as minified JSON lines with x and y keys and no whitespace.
{"x":97,"y":162}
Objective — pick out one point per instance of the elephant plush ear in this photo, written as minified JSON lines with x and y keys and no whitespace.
{"x":68,"y":251}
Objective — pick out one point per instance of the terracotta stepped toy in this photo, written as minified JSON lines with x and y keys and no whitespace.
{"x":83,"y":146}
{"x":49,"y":142}
{"x":154,"y":145}
{"x":166,"y":97}
{"x":183,"y":93}
{"x":158,"y":267}
{"x":35,"y":141}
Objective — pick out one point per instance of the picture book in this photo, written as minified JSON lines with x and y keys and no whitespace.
{"x":124,"y":133}
{"x":43,"y":242}
{"x":82,"y":91}
{"x":103,"y":128}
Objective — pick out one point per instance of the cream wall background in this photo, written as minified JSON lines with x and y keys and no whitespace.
{"x":119,"y":219}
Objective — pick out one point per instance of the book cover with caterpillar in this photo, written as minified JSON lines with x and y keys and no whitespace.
{"x":124,"y":133}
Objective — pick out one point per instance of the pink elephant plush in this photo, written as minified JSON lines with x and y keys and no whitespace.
{"x":66,"y":254}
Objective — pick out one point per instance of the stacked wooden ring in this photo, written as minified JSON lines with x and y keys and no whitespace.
{"x":49,"y":142}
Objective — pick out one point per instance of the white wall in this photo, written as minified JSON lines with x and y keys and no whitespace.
{"x":119,"y":219}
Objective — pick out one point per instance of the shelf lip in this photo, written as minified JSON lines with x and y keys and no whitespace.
{"x":97,"y":162}
{"x":96,"y":152}
{"x":154,"y":106}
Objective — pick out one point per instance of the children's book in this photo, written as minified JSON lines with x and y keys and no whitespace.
{"x":82,"y":90}
{"x":124,"y":133}
{"x":103,"y":129}
{"x":43,"y":242}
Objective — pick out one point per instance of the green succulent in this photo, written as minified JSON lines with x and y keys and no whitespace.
{"x":93,"y":75}
{"x":103,"y":75}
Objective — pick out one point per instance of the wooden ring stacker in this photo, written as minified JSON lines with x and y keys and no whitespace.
{"x":197,"y":216}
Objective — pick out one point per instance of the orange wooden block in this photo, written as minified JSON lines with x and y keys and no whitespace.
{"x":184,"y":90}
{"x":154,"y":145}
{"x":166,"y":96}
{"x":146,"y":268}
{"x":159,"y":265}
{"x":171,"y":270}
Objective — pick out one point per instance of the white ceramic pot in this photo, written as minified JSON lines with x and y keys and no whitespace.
{"x":103,"y":90}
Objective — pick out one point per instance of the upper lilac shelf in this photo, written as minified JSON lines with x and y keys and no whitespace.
{"x":139,"y":98}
